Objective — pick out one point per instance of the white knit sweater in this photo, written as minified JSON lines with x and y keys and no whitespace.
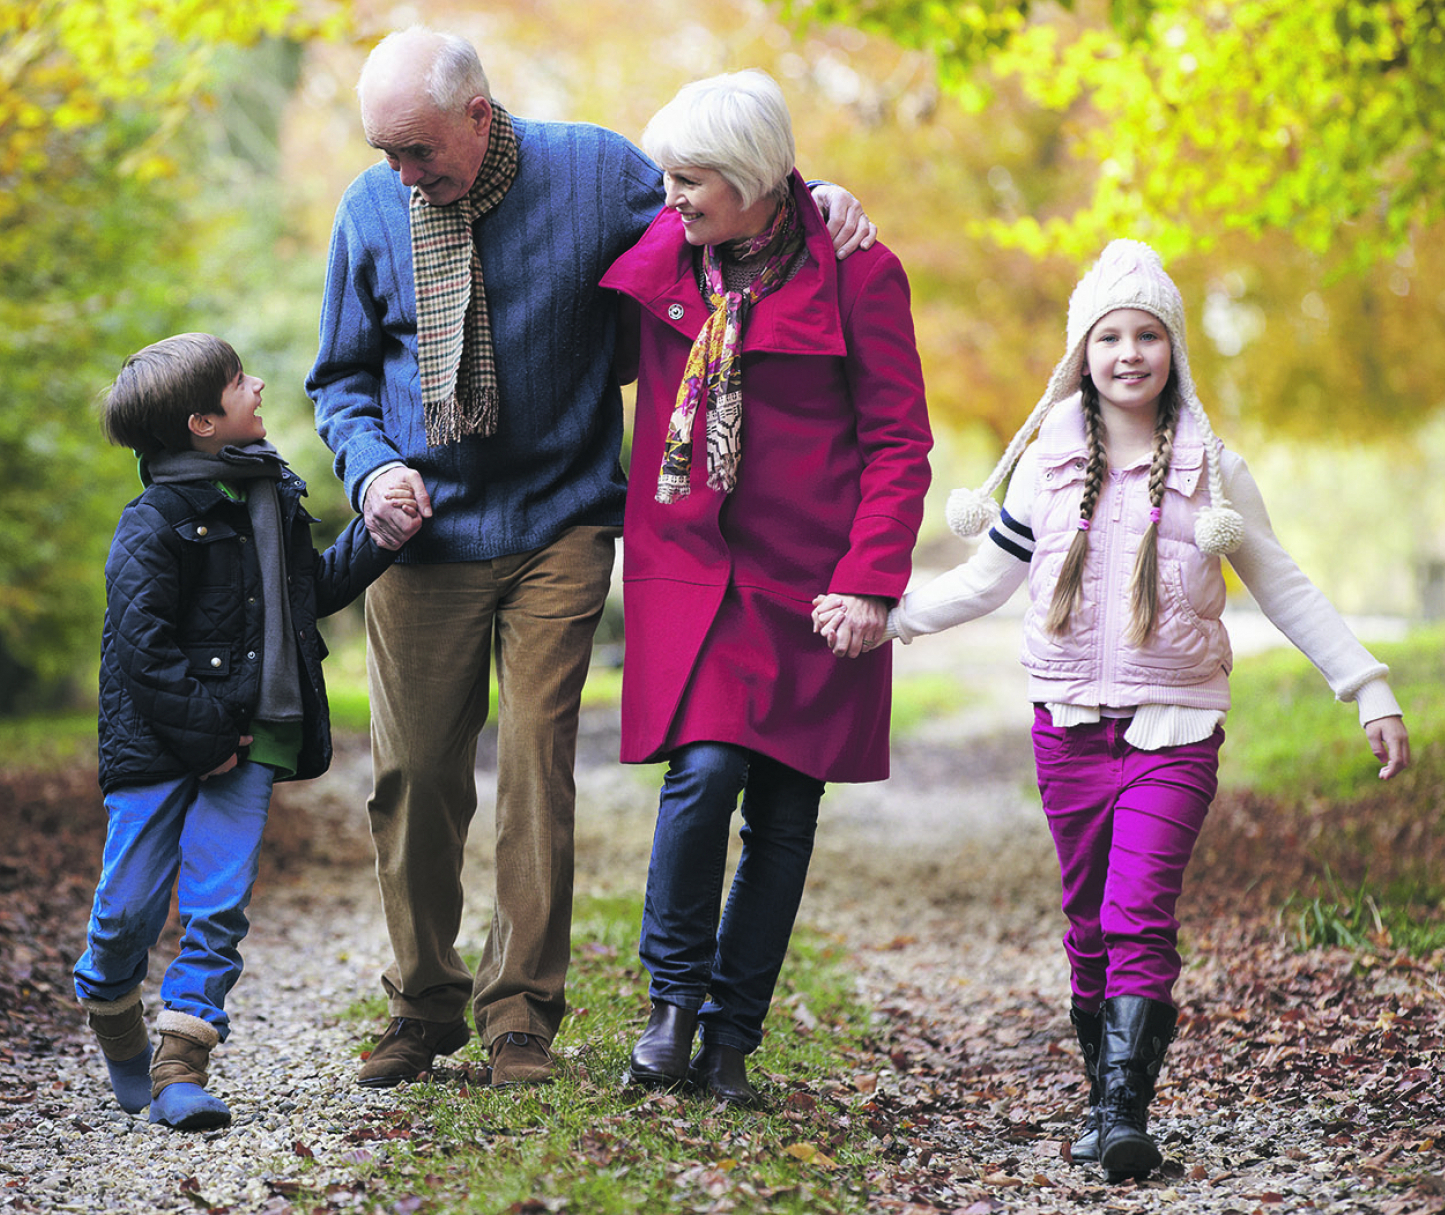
{"x":1295,"y":606}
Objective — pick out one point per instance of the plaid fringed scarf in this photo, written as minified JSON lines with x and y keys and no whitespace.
{"x":714,"y":371}
{"x":453,"y":327}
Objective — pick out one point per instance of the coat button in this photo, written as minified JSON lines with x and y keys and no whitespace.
{"x":674,"y":311}
{"x":201,"y":531}
{"x":215,"y":662}
{"x":251,"y":654}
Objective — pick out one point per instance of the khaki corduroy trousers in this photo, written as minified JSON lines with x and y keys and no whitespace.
{"x":431,"y":632}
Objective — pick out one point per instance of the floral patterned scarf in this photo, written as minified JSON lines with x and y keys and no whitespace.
{"x":714,"y":371}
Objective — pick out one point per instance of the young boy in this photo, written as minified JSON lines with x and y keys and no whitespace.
{"x":210,"y":690}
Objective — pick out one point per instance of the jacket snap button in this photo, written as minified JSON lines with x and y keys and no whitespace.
{"x":201,"y":531}
{"x":215,"y":662}
{"x":675,"y":311}
{"x":251,"y":654}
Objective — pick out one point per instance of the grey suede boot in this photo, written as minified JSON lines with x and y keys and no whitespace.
{"x":1137,"y":1032}
{"x":119,"y":1027}
{"x":1089,"y":1029}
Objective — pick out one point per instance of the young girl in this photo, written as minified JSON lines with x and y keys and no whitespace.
{"x":1118,"y":516}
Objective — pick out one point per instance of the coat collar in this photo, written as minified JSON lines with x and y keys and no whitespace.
{"x":802,"y":317}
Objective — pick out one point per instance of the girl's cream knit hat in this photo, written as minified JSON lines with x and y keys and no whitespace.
{"x":1128,"y":274}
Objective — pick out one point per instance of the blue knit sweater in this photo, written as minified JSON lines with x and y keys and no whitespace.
{"x":582,"y":196}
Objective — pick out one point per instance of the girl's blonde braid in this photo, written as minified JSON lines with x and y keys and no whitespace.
{"x":1071,"y":575}
{"x":1144,"y":592}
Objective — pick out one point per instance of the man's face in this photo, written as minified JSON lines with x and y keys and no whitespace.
{"x":437,"y":152}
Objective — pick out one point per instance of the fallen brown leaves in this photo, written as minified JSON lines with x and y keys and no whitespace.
{"x":1299,"y":1080}
{"x":53,"y":825}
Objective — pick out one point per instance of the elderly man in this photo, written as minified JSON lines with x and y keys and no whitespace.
{"x":464,"y":381}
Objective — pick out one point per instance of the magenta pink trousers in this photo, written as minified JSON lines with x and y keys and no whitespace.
{"x":1124,"y":823}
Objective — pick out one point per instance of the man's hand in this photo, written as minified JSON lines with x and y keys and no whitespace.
{"x":396,"y":503}
{"x":847,"y":225}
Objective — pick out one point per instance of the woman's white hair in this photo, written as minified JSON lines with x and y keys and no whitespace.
{"x":454,"y":73}
{"x":736,"y":124}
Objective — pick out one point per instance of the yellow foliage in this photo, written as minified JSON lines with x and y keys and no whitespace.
{"x":66,"y":65}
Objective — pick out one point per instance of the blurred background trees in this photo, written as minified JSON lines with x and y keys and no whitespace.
{"x":168,"y":165}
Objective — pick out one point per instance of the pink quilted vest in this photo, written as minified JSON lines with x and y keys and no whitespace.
{"x":1187,"y":659}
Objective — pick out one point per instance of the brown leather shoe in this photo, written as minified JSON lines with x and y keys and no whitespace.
{"x":407,"y":1049}
{"x":521,"y":1059}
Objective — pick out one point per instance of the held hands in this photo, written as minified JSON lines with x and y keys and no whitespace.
{"x":1390,"y":742}
{"x":850,"y":624}
{"x":245,"y":741}
{"x":396,"y":503}
{"x":849,"y":227}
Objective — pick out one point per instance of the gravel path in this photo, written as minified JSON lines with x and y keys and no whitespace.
{"x":941,"y":880}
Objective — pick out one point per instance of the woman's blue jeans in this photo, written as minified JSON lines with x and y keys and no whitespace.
{"x":726,"y":970}
{"x":203,"y":838}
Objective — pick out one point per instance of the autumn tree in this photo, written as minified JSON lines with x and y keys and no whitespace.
{"x":103,"y":227}
{"x":1324,"y":119}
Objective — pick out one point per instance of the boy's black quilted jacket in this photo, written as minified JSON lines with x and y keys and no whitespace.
{"x":180,"y":665}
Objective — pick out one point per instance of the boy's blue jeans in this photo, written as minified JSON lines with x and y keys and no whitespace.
{"x":690,"y":955}
{"x":203,"y":838}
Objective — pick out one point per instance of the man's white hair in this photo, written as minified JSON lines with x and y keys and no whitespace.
{"x":454,"y":74}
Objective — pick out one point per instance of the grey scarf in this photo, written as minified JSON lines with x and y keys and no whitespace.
{"x":259,"y":465}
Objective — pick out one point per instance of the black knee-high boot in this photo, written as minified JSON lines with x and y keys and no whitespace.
{"x":1137,"y":1032}
{"x":1089,"y":1029}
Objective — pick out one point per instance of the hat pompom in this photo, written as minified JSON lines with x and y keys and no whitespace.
{"x":1218,"y":530}
{"x":970,"y":511}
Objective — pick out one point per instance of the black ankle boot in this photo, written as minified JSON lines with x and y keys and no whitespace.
{"x":660,"y":1058}
{"x":1137,"y":1032}
{"x":1089,"y":1029}
{"x":722,"y":1072}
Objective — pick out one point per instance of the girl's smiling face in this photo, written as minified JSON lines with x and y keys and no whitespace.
{"x":1128,"y":356}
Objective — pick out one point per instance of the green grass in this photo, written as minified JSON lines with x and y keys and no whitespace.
{"x":596,"y":1145}
{"x":1403,"y":917}
{"x":1289,"y":739}
{"x":1290,"y":743}
{"x":919,"y":699}
{"x":48,"y":741}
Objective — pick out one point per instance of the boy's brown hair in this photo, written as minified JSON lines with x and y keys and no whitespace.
{"x":149,"y":406}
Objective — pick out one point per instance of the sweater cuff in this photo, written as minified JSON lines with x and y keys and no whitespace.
{"x":366,"y":481}
{"x":1376,"y":700}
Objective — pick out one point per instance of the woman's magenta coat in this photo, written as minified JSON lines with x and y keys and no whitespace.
{"x":718,"y":588}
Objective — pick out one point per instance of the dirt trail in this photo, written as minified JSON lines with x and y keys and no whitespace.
{"x":941,"y":881}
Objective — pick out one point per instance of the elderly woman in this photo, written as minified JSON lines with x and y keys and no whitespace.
{"x":780,"y":452}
